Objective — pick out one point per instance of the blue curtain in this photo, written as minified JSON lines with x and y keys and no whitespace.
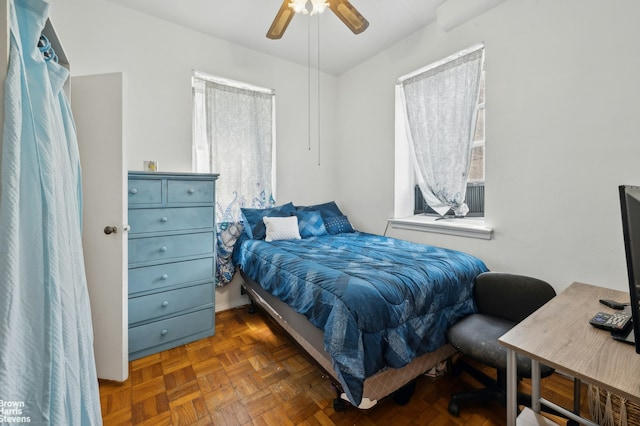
{"x":47,"y":366}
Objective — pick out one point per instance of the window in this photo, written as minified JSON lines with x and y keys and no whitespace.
{"x":234,"y":135}
{"x":475,"y":184}
{"x":440,"y":113}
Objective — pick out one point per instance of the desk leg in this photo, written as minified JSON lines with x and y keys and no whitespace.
{"x":577,"y":401}
{"x":512,"y":388}
{"x":535,"y":386}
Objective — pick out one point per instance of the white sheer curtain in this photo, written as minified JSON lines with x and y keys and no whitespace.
{"x":438,"y":108}
{"x":233,"y":135}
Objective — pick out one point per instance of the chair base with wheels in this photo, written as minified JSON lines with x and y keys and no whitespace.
{"x":503,"y":300}
{"x":495,"y":390}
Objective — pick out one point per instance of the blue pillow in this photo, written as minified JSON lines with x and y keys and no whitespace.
{"x":310,"y":223}
{"x":338,"y":225}
{"x":329,"y":209}
{"x":253,"y":223}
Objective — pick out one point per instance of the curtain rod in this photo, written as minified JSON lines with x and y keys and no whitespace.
{"x":233,"y":83}
{"x":436,"y":64}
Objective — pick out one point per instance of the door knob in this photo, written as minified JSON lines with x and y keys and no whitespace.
{"x":110,"y":230}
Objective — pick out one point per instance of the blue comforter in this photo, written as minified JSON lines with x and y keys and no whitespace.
{"x":380,"y":301}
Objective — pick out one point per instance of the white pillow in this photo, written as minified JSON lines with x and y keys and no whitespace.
{"x":281,"y":228}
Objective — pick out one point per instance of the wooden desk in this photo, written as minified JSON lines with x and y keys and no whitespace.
{"x":559,"y":335}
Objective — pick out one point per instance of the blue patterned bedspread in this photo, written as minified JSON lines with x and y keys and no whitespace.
{"x":380,"y":301}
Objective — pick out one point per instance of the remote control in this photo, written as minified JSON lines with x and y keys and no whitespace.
{"x":611,"y":322}
{"x":613,"y":304}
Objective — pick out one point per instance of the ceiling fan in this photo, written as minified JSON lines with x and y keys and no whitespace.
{"x":342,"y":8}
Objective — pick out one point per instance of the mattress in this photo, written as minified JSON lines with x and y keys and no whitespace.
{"x":379,"y":302}
{"x":310,"y":339}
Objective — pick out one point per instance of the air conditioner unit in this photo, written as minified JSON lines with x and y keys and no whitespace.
{"x":474,"y":200}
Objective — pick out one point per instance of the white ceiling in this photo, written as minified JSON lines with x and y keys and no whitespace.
{"x":245,"y":22}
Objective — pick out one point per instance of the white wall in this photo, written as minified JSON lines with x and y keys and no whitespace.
{"x":562,"y":133}
{"x":157,"y":59}
{"x":561,"y":121}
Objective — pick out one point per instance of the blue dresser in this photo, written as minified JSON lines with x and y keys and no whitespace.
{"x":171,"y":260}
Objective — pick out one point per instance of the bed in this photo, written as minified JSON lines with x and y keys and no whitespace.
{"x":372,"y":311}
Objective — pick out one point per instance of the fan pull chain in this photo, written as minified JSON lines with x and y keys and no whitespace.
{"x":309,"y":82}
{"x":318,"y":90}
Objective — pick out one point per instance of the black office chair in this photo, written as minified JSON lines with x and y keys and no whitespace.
{"x":503,"y":301}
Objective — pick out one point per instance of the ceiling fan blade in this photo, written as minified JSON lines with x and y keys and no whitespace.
{"x":349,"y":15}
{"x":281,"y":21}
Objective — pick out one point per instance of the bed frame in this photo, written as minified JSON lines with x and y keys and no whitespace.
{"x":310,"y":339}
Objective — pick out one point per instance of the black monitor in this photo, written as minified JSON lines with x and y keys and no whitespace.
{"x":630,"y":208}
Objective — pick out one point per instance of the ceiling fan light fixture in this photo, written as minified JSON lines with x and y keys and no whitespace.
{"x":343,"y":9}
{"x":319,"y":6}
{"x":299,"y":6}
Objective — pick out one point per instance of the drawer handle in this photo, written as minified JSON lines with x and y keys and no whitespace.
{"x":164,"y":332}
{"x":165,"y":304}
{"x":164,"y":219}
{"x":163,"y":249}
{"x":191,"y":191}
{"x":133,"y":191}
{"x":164,"y":277}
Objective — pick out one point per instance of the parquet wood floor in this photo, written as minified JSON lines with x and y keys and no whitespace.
{"x":250,"y":373}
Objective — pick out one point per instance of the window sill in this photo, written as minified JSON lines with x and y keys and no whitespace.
{"x":470,"y":227}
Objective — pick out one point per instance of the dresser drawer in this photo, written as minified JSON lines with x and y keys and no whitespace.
{"x":190,"y":191}
{"x":164,"y":331}
{"x":170,"y":219}
{"x":156,"y":305}
{"x":169,"y":247}
{"x":145,"y":191}
{"x":157,"y":277}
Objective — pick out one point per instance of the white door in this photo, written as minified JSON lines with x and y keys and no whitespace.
{"x":97,"y":105}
